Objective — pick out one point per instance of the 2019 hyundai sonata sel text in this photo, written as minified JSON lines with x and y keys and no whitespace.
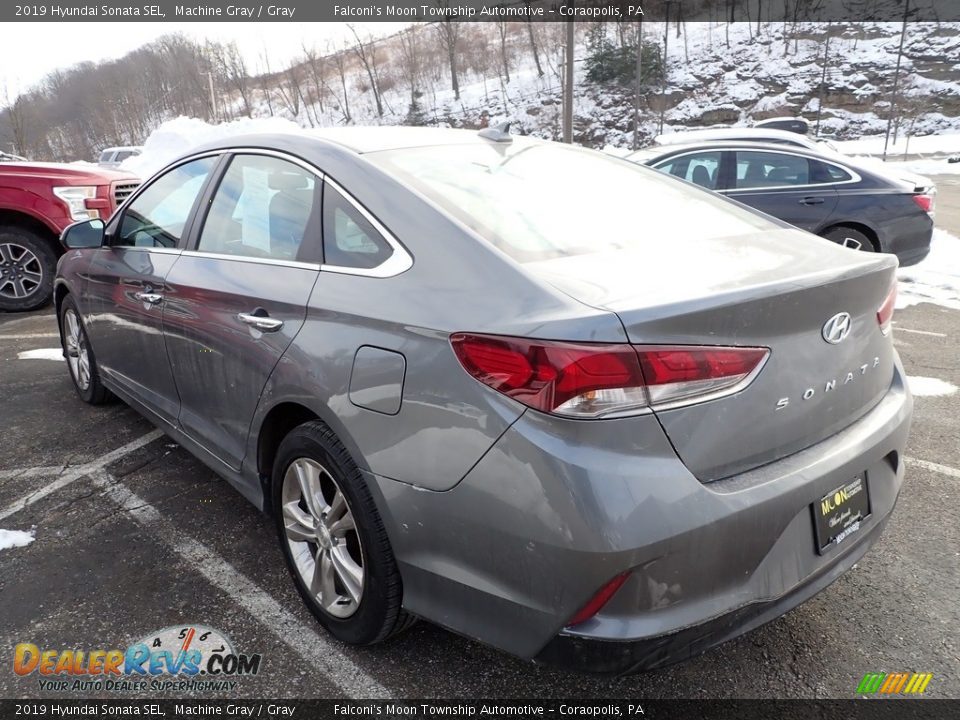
{"x":470,"y":387}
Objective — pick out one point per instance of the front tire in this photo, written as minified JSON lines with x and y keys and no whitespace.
{"x":27,"y":267}
{"x":333,"y":539}
{"x":79,"y":355}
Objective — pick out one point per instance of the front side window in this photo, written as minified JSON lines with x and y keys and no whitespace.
{"x":263,"y":208}
{"x":157,"y":216}
{"x":770,"y":169}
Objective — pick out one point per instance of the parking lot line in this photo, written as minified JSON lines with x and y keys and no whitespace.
{"x":920,"y":332}
{"x":317,"y":650}
{"x":935,"y":467}
{"x":29,"y":472}
{"x":28,"y":336}
{"x":78,"y":472}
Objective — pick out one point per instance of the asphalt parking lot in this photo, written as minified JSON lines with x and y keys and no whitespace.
{"x":134,"y":535}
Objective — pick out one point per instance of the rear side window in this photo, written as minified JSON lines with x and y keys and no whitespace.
{"x":349,"y":239}
{"x":833,"y":173}
{"x":157,"y":216}
{"x":770,"y":169}
{"x":105,"y":156}
{"x":702,"y":169}
{"x":264,"y":207}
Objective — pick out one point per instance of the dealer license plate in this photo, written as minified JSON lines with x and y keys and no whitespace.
{"x":839,"y":514}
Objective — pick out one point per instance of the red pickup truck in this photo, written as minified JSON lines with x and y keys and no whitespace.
{"x":37,"y":201}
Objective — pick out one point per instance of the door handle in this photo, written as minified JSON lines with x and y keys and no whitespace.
{"x":812,"y":201}
{"x":261,"y":322}
{"x":149,"y":297}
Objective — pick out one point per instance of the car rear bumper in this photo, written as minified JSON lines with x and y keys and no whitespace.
{"x":586,"y":654}
{"x":556,"y":509}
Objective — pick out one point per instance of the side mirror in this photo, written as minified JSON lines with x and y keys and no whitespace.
{"x":83,"y":234}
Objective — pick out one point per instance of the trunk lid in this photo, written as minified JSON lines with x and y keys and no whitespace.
{"x":774,"y":289}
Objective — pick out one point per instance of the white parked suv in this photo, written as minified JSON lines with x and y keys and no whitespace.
{"x":112,"y":157}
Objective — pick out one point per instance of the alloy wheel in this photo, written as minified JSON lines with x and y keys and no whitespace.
{"x":21,"y":272}
{"x":77,"y":354}
{"x":322,"y":536}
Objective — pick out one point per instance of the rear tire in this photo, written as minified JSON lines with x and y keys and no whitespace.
{"x":27,"y":267}
{"x":333,"y":539}
{"x":81,"y":361}
{"x":847,"y":236}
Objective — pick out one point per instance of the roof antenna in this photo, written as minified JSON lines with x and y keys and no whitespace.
{"x":499,"y":133}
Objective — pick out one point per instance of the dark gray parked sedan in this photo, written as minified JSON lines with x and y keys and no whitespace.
{"x":825,"y":194}
{"x":471,"y":388}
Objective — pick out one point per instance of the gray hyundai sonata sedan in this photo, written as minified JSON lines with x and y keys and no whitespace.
{"x":471,"y":387}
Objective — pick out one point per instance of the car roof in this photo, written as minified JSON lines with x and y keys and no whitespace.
{"x":368,"y":139}
{"x":362,"y":139}
{"x":656,"y":151}
{"x":687,"y":136}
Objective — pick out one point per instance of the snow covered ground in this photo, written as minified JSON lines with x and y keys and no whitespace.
{"x":939,"y":148}
{"x":14,"y":538}
{"x":929,"y":387}
{"x":942,"y":143}
{"x":937,"y":278}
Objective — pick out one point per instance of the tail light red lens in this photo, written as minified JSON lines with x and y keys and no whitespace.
{"x":925,"y":202}
{"x":597,"y":602}
{"x":675,"y":374}
{"x":581,"y":380}
{"x":885,"y":313}
{"x":587,"y":380}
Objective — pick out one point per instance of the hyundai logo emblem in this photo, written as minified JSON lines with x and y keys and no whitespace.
{"x":837,"y":328}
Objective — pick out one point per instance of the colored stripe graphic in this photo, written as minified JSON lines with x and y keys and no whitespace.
{"x":894,"y":683}
{"x":870,"y":683}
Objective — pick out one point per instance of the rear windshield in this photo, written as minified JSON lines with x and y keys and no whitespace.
{"x":538,"y":201}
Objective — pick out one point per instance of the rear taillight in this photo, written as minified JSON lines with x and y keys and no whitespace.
{"x":925,"y":202}
{"x":588,"y":380}
{"x":885,"y":313}
{"x":678,"y":374}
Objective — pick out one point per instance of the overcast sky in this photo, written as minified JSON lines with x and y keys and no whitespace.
{"x":28,"y":51}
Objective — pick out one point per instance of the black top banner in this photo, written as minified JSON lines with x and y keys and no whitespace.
{"x":484,"y":10}
{"x":599,"y":709}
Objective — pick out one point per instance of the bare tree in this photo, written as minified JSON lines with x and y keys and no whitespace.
{"x":449,"y":30}
{"x":340,"y":60}
{"x":316,"y":65}
{"x":410,"y":59}
{"x":290,"y":94}
{"x":504,"y":59}
{"x":17,"y":119}
{"x":234,"y":70}
{"x":367,"y":54}
{"x":533,"y":43}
